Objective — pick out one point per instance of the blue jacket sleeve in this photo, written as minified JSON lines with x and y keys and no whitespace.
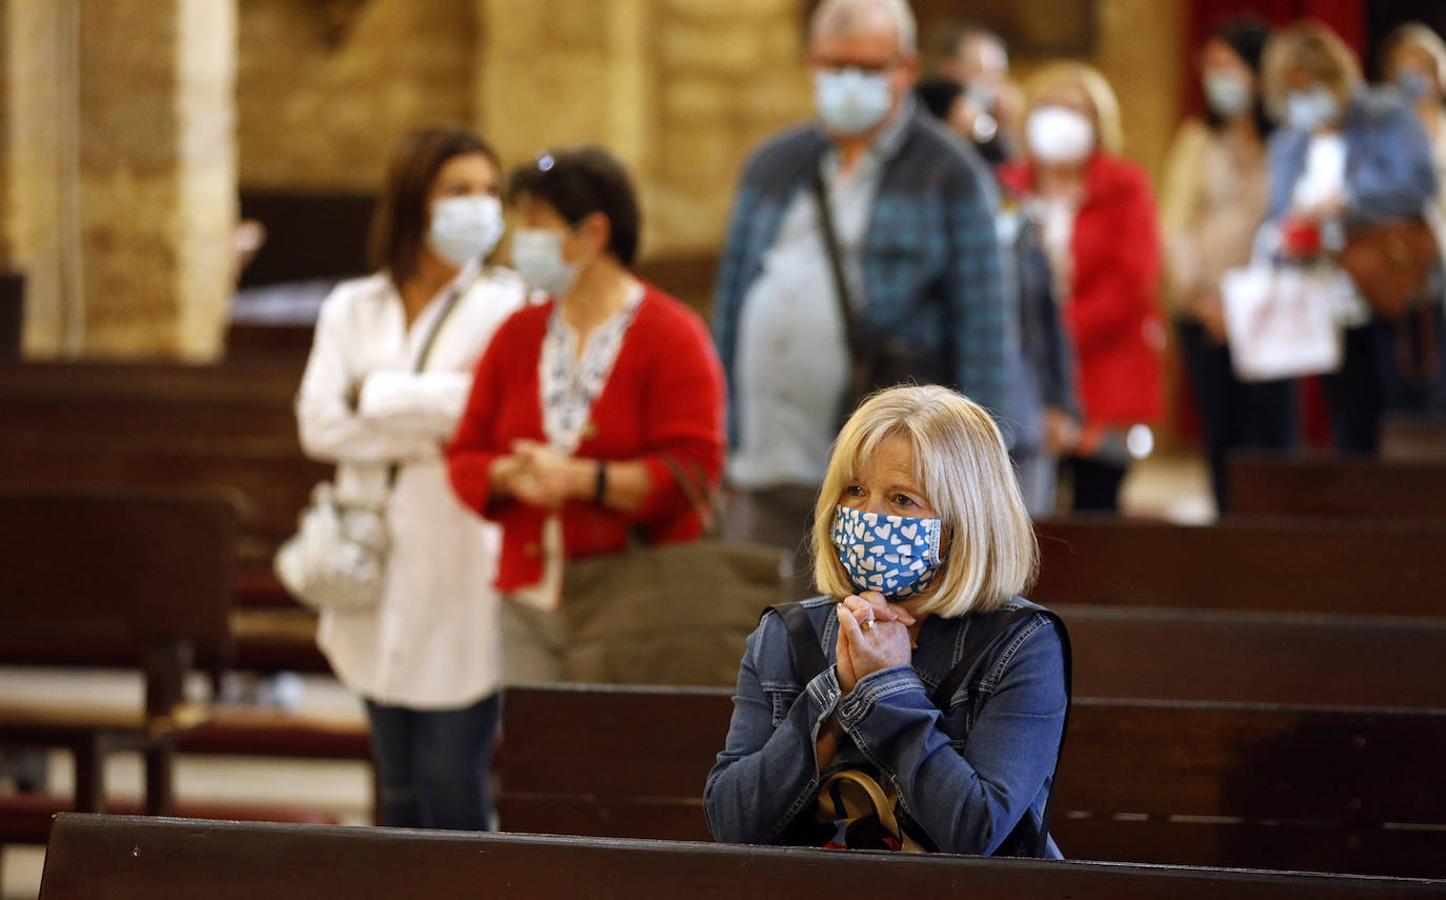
{"x":768,"y":770}
{"x":969,"y":799}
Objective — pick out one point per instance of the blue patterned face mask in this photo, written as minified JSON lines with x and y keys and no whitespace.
{"x":894,"y":555}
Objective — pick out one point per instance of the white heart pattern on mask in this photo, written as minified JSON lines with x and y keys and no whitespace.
{"x":895,"y":554}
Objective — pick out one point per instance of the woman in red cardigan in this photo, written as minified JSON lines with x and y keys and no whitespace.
{"x":583,"y":406}
{"x":1097,"y":216}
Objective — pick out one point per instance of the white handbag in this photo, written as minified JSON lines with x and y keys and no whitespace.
{"x":337,"y":558}
{"x":1282,"y":320}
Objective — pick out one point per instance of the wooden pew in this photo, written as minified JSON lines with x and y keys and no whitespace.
{"x":1147,"y":654}
{"x":149,"y":574}
{"x":1413,"y":438}
{"x":1282,"y":566}
{"x":1320,"y":487}
{"x":131,"y":859}
{"x":1316,"y":789}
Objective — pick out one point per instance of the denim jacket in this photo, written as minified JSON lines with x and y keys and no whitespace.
{"x":1390,"y":173}
{"x":965,"y":778}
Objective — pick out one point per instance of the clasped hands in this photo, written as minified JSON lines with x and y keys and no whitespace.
{"x":539,"y":475}
{"x":863,"y":650}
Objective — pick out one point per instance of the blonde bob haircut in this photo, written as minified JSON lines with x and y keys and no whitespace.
{"x":1048,"y":81}
{"x":1309,"y":47}
{"x":963,"y":468}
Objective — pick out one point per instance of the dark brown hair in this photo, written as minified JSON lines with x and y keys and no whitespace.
{"x":578,"y":183}
{"x":400,"y":222}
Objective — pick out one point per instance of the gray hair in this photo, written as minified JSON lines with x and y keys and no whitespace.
{"x":842,"y":16}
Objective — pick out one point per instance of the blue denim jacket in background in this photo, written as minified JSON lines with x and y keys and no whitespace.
{"x":1390,"y":172}
{"x":965,"y":779}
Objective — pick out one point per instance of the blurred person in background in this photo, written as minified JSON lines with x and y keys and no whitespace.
{"x":1213,"y":202}
{"x":1345,"y":159}
{"x":428,"y":658}
{"x":1043,"y":406}
{"x":1096,"y":215}
{"x":912,"y":216}
{"x":990,"y":110}
{"x":1414,"y":60}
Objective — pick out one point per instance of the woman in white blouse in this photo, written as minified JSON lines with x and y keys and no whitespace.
{"x":427,"y":659}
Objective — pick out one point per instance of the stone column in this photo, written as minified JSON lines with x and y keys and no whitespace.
{"x":556,"y":73}
{"x":157,"y":175}
{"x":39,"y":101}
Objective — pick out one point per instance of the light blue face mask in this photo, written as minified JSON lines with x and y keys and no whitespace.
{"x":465,"y":228}
{"x":1227,"y":95}
{"x":537,"y":257}
{"x":1413,"y":84}
{"x":894,"y":555}
{"x":851,"y":101}
{"x":1312,"y":109}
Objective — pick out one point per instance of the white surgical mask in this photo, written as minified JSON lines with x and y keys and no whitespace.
{"x":851,"y":101}
{"x":1413,"y":84}
{"x":465,"y":228}
{"x":537,"y":257}
{"x":1227,"y":95}
{"x":1060,"y":136}
{"x":1312,"y":109}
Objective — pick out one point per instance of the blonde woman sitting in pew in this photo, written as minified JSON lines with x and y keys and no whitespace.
{"x":919,"y":704}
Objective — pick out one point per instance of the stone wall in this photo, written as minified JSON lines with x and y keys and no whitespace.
{"x":38,"y":110}
{"x":157,"y":175}
{"x":325,"y":88}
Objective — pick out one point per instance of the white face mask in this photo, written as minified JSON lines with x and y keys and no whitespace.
{"x":537,"y":257}
{"x":1311,"y":109}
{"x":465,"y":228}
{"x":1228,"y":95}
{"x":1060,"y":136}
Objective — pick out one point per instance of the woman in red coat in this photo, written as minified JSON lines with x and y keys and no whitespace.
{"x":585,"y":405}
{"x":1097,"y":216}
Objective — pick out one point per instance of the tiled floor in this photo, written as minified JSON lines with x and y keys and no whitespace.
{"x":1173,"y":488}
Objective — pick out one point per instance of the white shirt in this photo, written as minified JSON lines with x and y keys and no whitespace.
{"x":434,"y":641}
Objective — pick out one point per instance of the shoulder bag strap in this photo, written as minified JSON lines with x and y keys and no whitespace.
{"x":808,"y":655}
{"x":951,"y":683}
{"x":835,"y":263}
{"x":448,"y":305}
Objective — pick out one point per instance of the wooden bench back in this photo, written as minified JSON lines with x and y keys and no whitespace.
{"x":115,"y":565}
{"x":1331,"y":790}
{"x":1289,"y":566}
{"x":1338,"y":488}
{"x":133,"y":858}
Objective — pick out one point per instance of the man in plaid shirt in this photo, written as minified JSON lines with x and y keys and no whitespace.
{"x":914,"y":216}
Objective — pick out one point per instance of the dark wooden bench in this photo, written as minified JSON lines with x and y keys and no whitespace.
{"x":1320,"y":487}
{"x":1316,"y":789}
{"x":140,"y":859}
{"x":1278,"y":566}
{"x":145,"y":572}
{"x":1413,"y":438}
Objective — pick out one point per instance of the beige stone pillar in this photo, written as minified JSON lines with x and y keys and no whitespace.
{"x":157,"y":175}
{"x":39,"y":101}
{"x":555,"y":73}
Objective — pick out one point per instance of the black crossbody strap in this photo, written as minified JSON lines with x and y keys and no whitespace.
{"x":835,"y":263}
{"x":808,"y":655}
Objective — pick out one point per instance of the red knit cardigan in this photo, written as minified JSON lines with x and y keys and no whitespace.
{"x":664,"y":398}
{"x":1113,"y":310}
